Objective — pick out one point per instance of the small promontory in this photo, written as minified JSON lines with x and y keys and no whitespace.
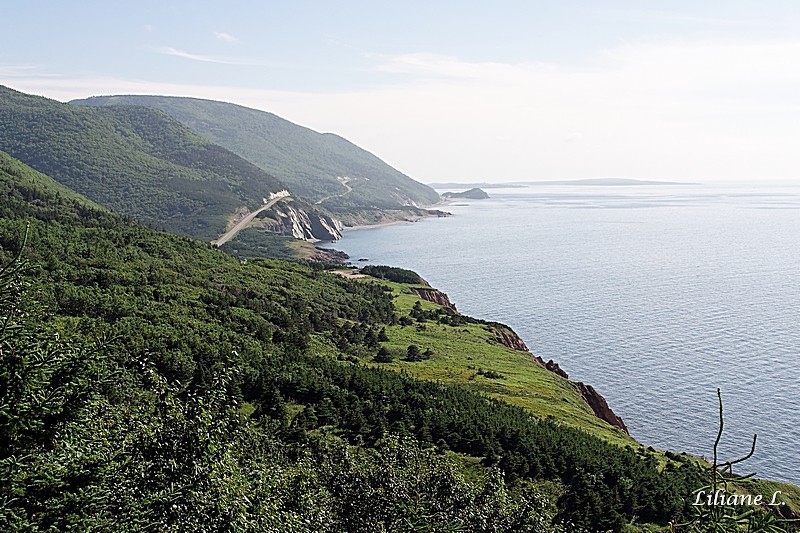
{"x":472,"y":194}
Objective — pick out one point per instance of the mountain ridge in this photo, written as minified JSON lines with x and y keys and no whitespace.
{"x":324,"y":167}
{"x":141,"y":162}
{"x":135,"y":160}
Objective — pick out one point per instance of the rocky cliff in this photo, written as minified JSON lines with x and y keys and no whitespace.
{"x":593,"y":399}
{"x":300,"y":222}
{"x":358,"y":216}
{"x":600,"y":406}
{"x":325,"y":255}
{"x":552,"y":366}
{"x":508,"y":338}
{"x":435,"y":296}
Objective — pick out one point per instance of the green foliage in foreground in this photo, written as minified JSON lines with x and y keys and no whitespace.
{"x":718,"y":506}
{"x":77,"y":454}
{"x":152,"y":383}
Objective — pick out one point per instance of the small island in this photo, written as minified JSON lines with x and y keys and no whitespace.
{"x":473,"y":194}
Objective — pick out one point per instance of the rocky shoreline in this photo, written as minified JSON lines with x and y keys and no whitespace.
{"x":508,"y":337}
{"x":396,"y":217}
{"x":503,"y":334}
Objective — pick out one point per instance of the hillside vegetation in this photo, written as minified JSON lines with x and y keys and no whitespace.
{"x":324,"y":167}
{"x":134,"y":160}
{"x":161,"y":384}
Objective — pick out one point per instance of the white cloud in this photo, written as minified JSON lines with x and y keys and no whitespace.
{"x":226,"y":37}
{"x":15,"y":71}
{"x":170,"y":51}
{"x":697,"y":110}
{"x":437,"y":66}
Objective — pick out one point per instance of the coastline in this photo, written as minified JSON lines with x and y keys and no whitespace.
{"x":431,"y":210}
{"x":378,"y":225}
{"x":596,"y":405}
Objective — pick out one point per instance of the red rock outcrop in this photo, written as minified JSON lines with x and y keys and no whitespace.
{"x":329,"y":256}
{"x":435,"y":296}
{"x":508,"y":338}
{"x":600,"y":406}
{"x":552,"y":366}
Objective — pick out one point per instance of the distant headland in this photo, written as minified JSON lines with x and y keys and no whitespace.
{"x":473,"y":194}
{"x":578,"y":182}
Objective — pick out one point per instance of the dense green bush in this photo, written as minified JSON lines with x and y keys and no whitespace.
{"x":399,"y":275}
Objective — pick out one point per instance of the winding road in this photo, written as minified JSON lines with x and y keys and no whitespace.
{"x":231,"y":233}
{"x":344,"y":181}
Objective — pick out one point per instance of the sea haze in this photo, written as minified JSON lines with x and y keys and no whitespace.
{"x":656,"y":295}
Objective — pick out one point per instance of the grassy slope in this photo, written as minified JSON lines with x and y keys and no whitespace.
{"x":460,"y":351}
{"x":136,"y":161}
{"x":307,"y":161}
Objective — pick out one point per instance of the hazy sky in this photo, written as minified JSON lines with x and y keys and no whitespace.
{"x":469,"y":91}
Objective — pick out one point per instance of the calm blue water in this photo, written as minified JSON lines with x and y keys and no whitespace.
{"x":656,"y":295}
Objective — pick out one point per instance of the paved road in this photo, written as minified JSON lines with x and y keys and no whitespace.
{"x":344,"y":182}
{"x":246,"y":220}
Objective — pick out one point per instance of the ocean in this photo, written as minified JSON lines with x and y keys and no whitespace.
{"x":654,"y":294}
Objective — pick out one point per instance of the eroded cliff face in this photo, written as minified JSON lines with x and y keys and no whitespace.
{"x":600,"y":406}
{"x":300,"y":223}
{"x":331,"y":257}
{"x":436,"y":296}
{"x":593,"y":399}
{"x":507,"y":337}
{"x":552,"y":366}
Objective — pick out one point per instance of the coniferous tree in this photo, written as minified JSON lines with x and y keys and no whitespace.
{"x":382,"y":336}
{"x":383,"y":356}
{"x":413,"y":353}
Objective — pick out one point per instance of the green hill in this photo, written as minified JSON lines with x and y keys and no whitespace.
{"x":321,"y":166}
{"x":152,"y":379}
{"x":133,"y":160}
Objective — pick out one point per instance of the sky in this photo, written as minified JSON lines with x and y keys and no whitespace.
{"x":456,"y":91}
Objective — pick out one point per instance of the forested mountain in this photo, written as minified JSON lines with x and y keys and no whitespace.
{"x":320,"y":166}
{"x":136,"y":161}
